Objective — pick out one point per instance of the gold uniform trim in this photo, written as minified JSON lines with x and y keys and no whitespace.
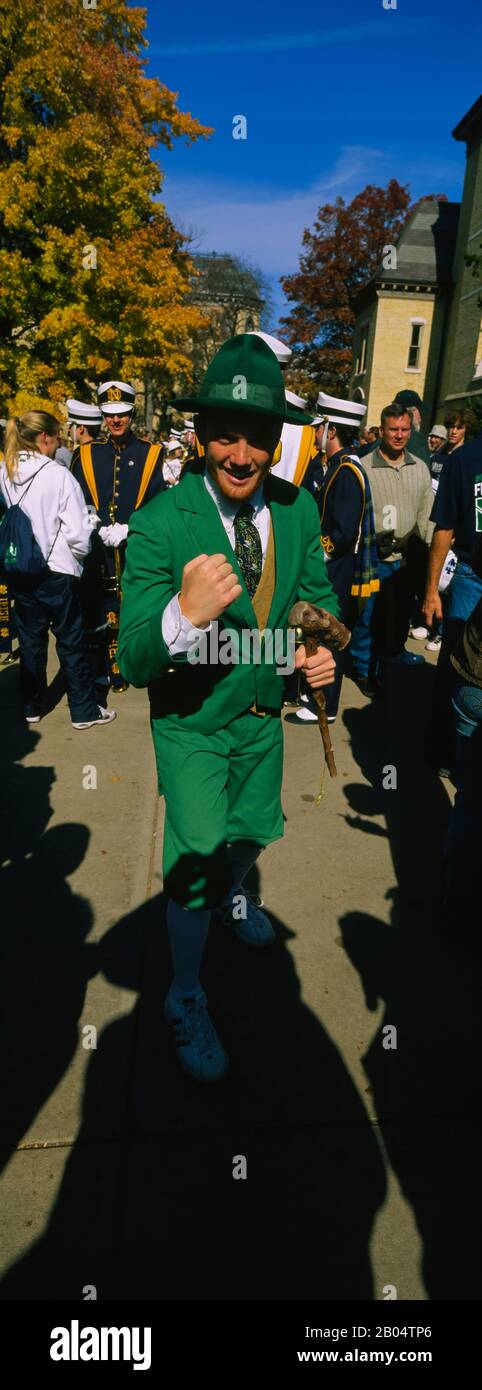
{"x":147,"y":472}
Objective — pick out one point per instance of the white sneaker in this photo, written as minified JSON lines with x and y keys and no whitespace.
{"x":254,"y":927}
{"x":198,"y":1047}
{"x":306,"y":715}
{"x":419,"y":633}
{"x":433,"y":645}
{"x":33,"y":718}
{"x":105,"y":717}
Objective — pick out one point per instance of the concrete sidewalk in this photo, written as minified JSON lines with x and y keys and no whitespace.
{"x":359,"y":1143}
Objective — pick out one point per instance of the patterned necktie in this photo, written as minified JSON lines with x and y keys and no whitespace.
{"x":247,"y":547}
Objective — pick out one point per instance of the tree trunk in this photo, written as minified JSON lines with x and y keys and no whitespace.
{"x":148,"y":401}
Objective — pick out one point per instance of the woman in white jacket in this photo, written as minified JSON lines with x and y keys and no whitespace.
{"x":62,"y":526}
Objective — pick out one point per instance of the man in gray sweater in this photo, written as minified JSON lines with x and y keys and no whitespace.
{"x":402,"y":501}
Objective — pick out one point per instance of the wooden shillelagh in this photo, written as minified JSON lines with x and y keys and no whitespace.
{"x":314,"y":625}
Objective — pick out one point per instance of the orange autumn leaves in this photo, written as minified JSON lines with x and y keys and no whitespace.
{"x":340,"y":253}
{"x":79,"y":125}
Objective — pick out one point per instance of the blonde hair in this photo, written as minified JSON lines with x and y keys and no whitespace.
{"x":21,"y":435}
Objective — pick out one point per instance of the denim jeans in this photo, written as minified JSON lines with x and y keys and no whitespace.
{"x":459,"y":601}
{"x":52,"y":601}
{"x":464,"y":836}
{"x":361,"y":639}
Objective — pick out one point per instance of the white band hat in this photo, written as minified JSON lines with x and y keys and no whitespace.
{"x":281,"y":350}
{"x":338,"y":412}
{"x":116,"y":397}
{"x":81,"y":413}
{"x":297,"y":401}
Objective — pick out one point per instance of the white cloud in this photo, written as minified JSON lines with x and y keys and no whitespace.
{"x":265,"y":226}
{"x":410,"y":27}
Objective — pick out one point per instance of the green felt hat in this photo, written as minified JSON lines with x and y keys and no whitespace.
{"x":244,"y":375}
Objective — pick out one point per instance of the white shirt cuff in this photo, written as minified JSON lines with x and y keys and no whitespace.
{"x":178,"y":632}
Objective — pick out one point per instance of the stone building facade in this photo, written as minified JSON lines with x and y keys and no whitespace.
{"x":419,"y":319}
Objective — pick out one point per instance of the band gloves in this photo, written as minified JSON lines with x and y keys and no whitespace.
{"x":114,"y":535}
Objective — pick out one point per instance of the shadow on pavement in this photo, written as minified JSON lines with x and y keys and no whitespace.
{"x":426,"y":1088}
{"x":45,"y":964}
{"x":159,"y":1215}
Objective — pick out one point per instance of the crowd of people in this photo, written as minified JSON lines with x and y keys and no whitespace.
{"x":130,"y":550}
{"x":99,"y":471}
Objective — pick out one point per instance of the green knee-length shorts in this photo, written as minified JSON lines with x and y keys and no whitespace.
{"x":218,"y":788}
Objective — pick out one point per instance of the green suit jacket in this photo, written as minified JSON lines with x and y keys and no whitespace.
{"x":171,"y":530}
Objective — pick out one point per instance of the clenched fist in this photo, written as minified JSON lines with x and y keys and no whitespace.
{"x":209,"y":585}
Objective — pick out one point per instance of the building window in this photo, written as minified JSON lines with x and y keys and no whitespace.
{"x":415,"y":343}
{"x":361,"y":360}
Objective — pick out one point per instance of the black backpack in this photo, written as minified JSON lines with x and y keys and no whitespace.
{"x":20,"y":553}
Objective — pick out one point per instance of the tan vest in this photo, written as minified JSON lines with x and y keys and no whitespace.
{"x":263,"y":596}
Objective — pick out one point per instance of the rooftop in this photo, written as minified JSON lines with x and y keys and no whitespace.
{"x":425,"y":249}
{"x":470,"y":127}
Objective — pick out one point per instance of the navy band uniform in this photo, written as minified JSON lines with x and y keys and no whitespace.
{"x":116,"y":478}
{"x":340,"y":489}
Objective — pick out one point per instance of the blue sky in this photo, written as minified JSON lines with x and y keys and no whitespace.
{"x":335,"y":96}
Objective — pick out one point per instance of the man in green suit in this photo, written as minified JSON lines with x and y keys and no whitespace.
{"x":233,"y":543}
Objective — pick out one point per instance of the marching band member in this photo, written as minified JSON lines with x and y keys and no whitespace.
{"x":341,"y":489}
{"x":84,"y":424}
{"x":173,"y":461}
{"x":117,"y":476}
{"x":297,"y":445}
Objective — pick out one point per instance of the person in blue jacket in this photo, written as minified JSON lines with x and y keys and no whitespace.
{"x":342,"y":493}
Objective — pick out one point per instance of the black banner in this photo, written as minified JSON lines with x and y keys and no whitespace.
{"x":227,"y":1337}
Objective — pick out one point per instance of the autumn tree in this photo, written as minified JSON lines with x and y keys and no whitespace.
{"x":94,"y":278}
{"x":341,"y":253}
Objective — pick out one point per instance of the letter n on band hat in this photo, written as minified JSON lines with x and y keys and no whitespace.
{"x":116,"y":397}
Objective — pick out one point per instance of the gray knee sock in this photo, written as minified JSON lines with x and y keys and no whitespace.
{"x":187,"y":935}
